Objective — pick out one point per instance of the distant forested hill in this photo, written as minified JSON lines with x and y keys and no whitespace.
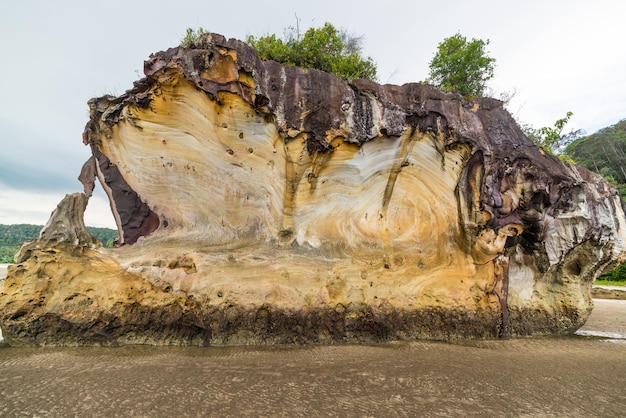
{"x":604,"y":153}
{"x":11,"y":236}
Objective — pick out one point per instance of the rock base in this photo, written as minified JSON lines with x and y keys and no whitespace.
{"x":57,"y":297}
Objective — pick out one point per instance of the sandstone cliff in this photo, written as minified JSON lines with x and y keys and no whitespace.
{"x":262,"y":203}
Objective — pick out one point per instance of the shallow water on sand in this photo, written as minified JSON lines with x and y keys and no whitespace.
{"x":574,"y":377}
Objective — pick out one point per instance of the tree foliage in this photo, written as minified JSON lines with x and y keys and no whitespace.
{"x":461,"y":66}
{"x":325,"y":49}
{"x":106,"y":235}
{"x":14,"y":235}
{"x":616,"y":275}
{"x":551,"y":138}
{"x":7,"y":253}
{"x":603,"y":152}
{"x":192,"y":38}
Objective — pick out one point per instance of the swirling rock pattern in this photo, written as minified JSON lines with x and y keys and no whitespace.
{"x":262,"y":203}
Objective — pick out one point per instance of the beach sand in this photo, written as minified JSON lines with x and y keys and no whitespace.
{"x":578,"y":376}
{"x":531,"y":377}
{"x":607,"y":318}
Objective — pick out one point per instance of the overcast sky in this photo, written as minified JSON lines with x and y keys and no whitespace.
{"x":557,"y":56}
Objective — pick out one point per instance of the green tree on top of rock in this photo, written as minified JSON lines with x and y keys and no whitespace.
{"x":461,"y":66}
{"x":325,"y":49}
{"x":192,"y":38}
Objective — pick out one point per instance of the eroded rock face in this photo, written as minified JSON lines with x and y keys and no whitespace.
{"x":272,"y":204}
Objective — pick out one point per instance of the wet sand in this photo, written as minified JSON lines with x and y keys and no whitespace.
{"x":578,"y":376}
{"x":575,"y":376}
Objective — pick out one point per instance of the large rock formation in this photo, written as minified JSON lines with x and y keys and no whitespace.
{"x":262,"y":203}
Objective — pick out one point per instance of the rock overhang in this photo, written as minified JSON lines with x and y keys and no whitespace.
{"x":266,"y":198}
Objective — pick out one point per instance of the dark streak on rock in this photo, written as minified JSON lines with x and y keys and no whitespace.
{"x":136,"y":218}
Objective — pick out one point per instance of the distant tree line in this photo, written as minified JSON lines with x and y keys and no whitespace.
{"x":7,"y":253}
{"x":12,"y":236}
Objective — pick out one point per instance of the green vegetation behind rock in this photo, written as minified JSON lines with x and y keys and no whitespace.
{"x":11,"y":236}
{"x":604,"y":152}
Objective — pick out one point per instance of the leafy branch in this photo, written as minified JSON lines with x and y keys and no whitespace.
{"x":551,"y":138}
